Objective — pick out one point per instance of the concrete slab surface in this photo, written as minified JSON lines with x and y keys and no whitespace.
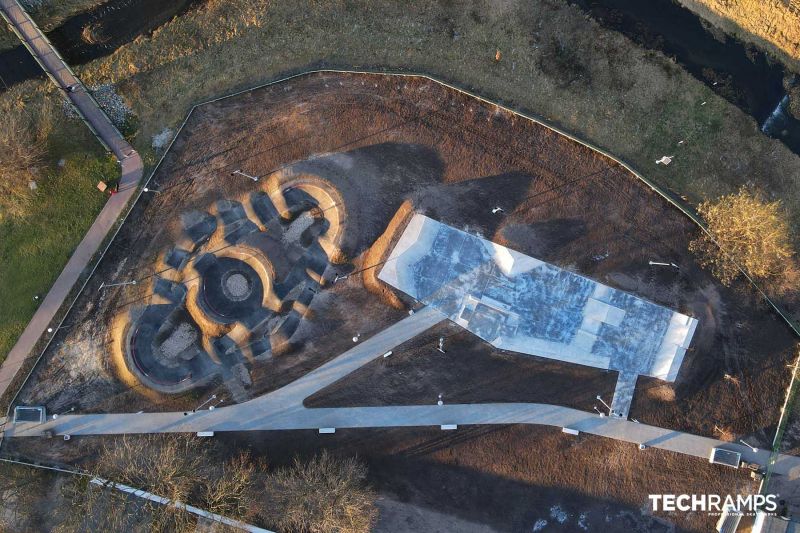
{"x":522,"y":304}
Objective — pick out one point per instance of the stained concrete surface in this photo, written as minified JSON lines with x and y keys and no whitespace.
{"x":522,"y":304}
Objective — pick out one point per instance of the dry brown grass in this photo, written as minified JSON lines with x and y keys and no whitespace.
{"x":26,"y":126}
{"x":770,"y":24}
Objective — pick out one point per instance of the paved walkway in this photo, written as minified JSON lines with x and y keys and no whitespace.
{"x":283,"y":410}
{"x":132,"y":170}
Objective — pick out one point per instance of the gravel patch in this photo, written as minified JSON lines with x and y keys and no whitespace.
{"x":109,"y":101}
{"x":181,"y":338}
{"x":161,"y":140}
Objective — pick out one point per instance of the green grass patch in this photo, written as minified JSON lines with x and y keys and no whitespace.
{"x":35,"y":248}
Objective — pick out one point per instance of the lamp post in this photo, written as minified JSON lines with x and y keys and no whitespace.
{"x":610,"y":412}
{"x":657,"y":263}
{"x":105,"y":285}
{"x":213,"y":397}
{"x":151,"y":190}
{"x":755,"y":450}
{"x":240,"y":173}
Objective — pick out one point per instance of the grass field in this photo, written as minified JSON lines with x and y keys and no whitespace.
{"x":554,"y":62}
{"x":35,"y":248}
{"x":773,"y":25}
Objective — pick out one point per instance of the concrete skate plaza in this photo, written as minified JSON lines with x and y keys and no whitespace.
{"x":522,"y":304}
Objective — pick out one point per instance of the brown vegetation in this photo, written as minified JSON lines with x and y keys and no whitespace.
{"x":771,"y":24}
{"x":21,"y":152}
{"x":744,"y":230}
{"x":168,"y":466}
{"x":326,"y":494}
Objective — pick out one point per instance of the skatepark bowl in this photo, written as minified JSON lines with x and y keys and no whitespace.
{"x":234,"y":287}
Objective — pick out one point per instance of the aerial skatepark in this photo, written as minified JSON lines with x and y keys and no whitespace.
{"x":315,"y":242}
{"x":233,"y":288}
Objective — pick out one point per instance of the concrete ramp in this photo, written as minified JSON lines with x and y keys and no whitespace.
{"x":623,"y":394}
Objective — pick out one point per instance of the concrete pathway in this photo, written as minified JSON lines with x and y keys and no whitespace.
{"x":132,"y":170}
{"x":283,"y":410}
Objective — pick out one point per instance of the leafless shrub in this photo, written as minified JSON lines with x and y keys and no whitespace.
{"x":324,"y":495}
{"x":172,"y":467}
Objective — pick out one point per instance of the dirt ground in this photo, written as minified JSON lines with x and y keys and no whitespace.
{"x":470,"y":371}
{"x":529,"y":474}
{"x":484,"y":479}
{"x":381,"y":141}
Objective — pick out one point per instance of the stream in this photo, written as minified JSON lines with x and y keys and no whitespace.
{"x":93,"y":34}
{"x":736,"y":71}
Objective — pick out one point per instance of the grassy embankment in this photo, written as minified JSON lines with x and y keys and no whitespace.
{"x":555,"y":63}
{"x":772,"y":25}
{"x":35,"y":246}
{"x":50,"y":15}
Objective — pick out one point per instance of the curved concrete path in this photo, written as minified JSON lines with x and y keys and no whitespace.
{"x":132,"y":169}
{"x":284,"y":410}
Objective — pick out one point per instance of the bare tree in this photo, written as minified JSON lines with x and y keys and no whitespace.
{"x":173,"y":467}
{"x":324,"y":495}
{"x":746,"y":230}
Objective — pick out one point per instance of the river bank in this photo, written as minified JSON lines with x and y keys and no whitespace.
{"x":93,"y":34}
{"x":738,"y":72}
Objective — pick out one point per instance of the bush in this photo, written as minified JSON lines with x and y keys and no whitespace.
{"x":324,"y":495}
{"x":173,"y":467}
{"x":744,"y":230}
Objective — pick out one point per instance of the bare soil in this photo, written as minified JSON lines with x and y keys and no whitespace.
{"x":510,"y":477}
{"x":470,"y":371}
{"x":499,"y":478}
{"x":381,"y":141}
